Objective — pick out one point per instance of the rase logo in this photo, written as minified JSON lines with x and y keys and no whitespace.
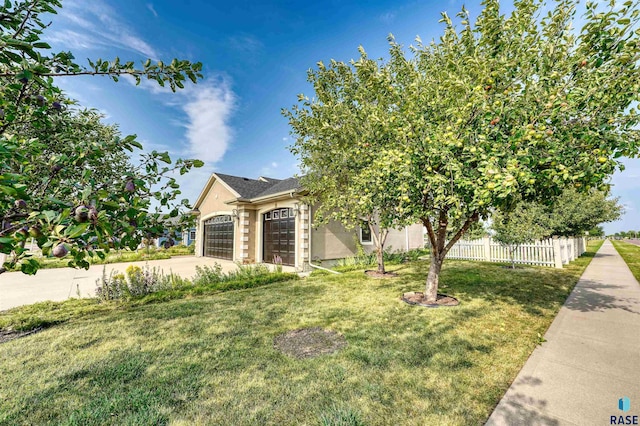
{"x":624,"y":405}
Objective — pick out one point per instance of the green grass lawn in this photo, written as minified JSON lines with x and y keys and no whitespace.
{"x":631,"y":255}
{"x":210,"y":359}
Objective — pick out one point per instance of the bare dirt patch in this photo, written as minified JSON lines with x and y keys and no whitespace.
{"x":418,"y":298}
{"x":309,"y":342}
{"x":376,"y":274}
{"x":6,"y":335}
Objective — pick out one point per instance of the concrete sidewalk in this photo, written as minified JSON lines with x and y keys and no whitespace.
{"x":591,"y":358}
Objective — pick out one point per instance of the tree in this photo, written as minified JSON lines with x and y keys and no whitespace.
{"x":66,"y":179}
{"x":572,"y":214}
{"x":526,"y":223}
{"x":512,"y":108}
{"x":575,"y":212}
{"x":596,"y":231}
{"x":340,"y":162}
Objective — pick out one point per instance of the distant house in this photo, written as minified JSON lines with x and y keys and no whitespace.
{"x":264,"y":220}
{"x":184,"y":236}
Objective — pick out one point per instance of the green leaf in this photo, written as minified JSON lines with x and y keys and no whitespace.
{"x":77,"y":230}
{"x":164,"y":156}
{"x":58,"y":202}
{"x":110,"y":205}
{"x":8,"y":190}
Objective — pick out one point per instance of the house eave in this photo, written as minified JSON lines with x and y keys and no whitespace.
{"x":275,"y":197}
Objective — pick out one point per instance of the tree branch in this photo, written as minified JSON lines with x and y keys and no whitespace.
{"x":432,"y":236}
{"x":473,"y":218}
{"x":25,"y":20}
{"x":442,"y":231}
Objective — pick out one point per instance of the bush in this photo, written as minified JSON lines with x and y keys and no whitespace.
{"x":113,"y":287}
{"x":207,"y":275}
{"x":363,"y":260}
{"x":136,"y":283}
{"x":181,"y":249}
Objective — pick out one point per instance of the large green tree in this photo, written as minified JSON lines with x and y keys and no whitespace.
{"x":340,"y":162}
{"x":575,"y":212}
{"x":515,"y":107}
{"x":572,"y":214}
{"x":66,"y":179}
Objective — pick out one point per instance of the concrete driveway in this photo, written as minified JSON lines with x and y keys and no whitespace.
{"x":18,"y":289}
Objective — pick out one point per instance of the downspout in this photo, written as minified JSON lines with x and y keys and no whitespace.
{"x":311,"y":264}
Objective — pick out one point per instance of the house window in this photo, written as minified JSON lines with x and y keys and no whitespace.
{"x":192,"y":235}
{"x":365,"y":233}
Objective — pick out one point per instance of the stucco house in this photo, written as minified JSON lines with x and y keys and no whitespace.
{"x":264,"y":220}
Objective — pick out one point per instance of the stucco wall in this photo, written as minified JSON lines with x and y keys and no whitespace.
{"x":333,"y":241}
{"x":405,"y":239}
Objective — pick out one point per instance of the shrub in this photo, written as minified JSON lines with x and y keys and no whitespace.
{"x":113,"y":287}
{"x":136,"y":283}
{"x":363,"y":260}
{"x":181,"y":249}
{"x":207,"y":275}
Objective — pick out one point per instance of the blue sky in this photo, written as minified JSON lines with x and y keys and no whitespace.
{"x":255,"y":57}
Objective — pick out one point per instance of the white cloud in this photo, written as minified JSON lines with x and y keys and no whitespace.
{"x":387,"y":17}
{"x":245,"y":43}
{"x":150,"y":7}
{"x":98,"y":25}
{"x":209,"y":108}
{"x":272,"y":171}
{"x":73,"y":40}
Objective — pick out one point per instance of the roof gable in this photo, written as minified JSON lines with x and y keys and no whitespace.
{"x":249,"y":189}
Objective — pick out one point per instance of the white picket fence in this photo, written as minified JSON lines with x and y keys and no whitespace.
{"x":553,"y":252}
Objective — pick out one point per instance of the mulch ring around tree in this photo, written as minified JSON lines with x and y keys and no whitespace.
{"x":309,"y":342}
{"x":8,"y":335}
{"x":376,"y":274}
{"x":417,"y":298}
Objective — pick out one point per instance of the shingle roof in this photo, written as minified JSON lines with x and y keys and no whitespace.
{"x":253,"y":188}
{"x":290,"y":184}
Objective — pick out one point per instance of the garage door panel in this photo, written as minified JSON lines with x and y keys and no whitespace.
{"x":218,"y":237}
{"x":279,"y":236}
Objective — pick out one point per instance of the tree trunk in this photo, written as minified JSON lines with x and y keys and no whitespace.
{"x":380,"y":257}
{"x":379,"y":238}
{"x":431,"y":291}
{"x":512,"y":252}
